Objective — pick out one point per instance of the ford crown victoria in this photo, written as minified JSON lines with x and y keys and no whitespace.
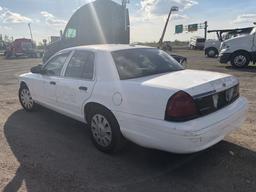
{"x":137,"y":93}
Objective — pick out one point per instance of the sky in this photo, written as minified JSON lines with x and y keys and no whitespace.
{"x":48,"y":17}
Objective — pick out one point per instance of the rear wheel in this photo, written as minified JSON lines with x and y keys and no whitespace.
{"x":25,"y":98}
{"x":212,"y":52}
{"x":105,"y":130}
{"x":240,"y":60}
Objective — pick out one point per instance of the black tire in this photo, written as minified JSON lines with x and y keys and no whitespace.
{"x":8,"y":54}
{"x":116,"y":141}
{"x":27,"y":103}
{"x":211,"y":52}
{"x":240,"y":60}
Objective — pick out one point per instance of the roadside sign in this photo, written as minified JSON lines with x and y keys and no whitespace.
{"x":179,"y":29}
{"x":192,"y":27}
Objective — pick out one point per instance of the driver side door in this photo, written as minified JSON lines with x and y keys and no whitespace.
{"x":52,"y":75}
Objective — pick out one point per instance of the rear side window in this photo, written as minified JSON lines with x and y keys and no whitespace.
{"x":81,"y":65}
{"x":135,"y":63}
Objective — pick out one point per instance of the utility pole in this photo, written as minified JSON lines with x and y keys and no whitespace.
{"x":174,"y":8}
{"x":205,"y":29}
{"x":29,"y":26}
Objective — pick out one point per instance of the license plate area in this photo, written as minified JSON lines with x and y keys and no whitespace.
{"x":216,"y":101}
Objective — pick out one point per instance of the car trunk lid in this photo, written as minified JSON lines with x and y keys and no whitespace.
{"x":193,"y":82}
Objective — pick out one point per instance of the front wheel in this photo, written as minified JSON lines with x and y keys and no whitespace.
{"x":240,"y":60}
{"x":105,"y":131}
{"x":25,"y":98}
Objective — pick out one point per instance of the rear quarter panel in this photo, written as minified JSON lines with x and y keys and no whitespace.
{"x":133,"y":98}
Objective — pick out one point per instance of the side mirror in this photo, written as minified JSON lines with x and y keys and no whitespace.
{"x":180,"y":59}
{"x":183,"y":62}
{"x":37,"y":69}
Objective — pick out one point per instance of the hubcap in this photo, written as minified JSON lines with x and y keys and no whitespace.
{"x":101,"y":130}
{"x":26,"y":98}
{"x":211,"y":53}
{"x":240,"y":60}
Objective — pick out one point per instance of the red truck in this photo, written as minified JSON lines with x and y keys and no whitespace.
{"x":22,"y":47}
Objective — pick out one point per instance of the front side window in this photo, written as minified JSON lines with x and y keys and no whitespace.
{"x":134,"y":63}
{"x":55,"y":65}
{"x":71,"y":33}
{"x":81,"y":65}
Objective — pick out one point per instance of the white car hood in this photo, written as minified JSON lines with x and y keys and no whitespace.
{"x":193,"y":82}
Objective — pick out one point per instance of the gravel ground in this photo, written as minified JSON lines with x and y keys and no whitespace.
{"x":45,"y":151}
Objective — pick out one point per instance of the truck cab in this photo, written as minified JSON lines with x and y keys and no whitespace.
{"x":239,"y":51}
{"x":212,"y":46}
{"x":20,"y":47}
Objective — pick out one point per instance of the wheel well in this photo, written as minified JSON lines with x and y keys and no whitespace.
{"x":23,"y":84}
{"x":89,"y":107}
{"x":242,"y":51}
{"x":213,"y":48}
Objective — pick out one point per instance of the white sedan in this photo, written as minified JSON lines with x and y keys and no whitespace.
{"x":137,"y":93}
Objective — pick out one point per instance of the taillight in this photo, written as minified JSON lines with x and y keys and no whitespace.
{"x":181,"y":107}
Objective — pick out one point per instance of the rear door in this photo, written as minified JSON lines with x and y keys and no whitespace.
{"x":77,"y":85}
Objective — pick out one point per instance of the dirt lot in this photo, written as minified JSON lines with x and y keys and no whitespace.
{"x":45,"y":151}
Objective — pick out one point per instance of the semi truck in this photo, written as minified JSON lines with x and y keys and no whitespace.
{"x":239,"y":51}
{"x":98,"y":22}
{"x":22,"y":47}
{"x":212,"y":46}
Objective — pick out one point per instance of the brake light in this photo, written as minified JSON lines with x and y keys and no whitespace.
{"x":181,"y":107}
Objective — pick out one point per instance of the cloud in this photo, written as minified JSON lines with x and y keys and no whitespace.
{"x":50,"y":19}
{"x":245,"y":18}
{"x":161,"y":7}
{"x":7,"y":16}
{"x":179,"y":17}
{"x":6,"y":28}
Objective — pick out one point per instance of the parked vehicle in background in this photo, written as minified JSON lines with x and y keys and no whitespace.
{"x":239,"y":51}
{"x":138,"y":93}
{"x":2,"y":47}
{"x":98,"y":22}
{"x":197,"y":43}
{"x":212,"y":46}
{"x":22,"y":47}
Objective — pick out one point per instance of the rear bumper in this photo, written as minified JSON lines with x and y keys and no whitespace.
{"x":185,"y":137}
{"x":224,"y":57}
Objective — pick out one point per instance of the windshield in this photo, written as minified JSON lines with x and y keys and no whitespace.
{"x":134,"y":63}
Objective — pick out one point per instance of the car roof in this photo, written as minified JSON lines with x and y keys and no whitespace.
{"x":107,"y":47}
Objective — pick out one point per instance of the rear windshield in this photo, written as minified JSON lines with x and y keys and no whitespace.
{"x":135,"y":63}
